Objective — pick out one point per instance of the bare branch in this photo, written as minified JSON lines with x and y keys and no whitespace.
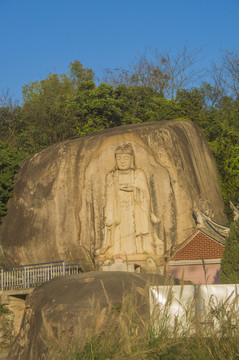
{"x":162,"y":71}
{"x":226,"y":74}
{"x":6,"y":100}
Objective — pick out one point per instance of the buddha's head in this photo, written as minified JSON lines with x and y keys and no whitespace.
{"x":124,"y":157}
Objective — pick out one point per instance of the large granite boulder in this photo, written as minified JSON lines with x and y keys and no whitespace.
{"x":126,"y":192}
{"x":68,"y":311}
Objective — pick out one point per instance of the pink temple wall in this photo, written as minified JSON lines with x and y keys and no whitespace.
{"x":195,"y":273}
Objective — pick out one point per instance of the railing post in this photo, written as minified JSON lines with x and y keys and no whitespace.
{"x":27,"y":276}
{"x":24,"y":278}
{"x":64,"y":268}
{"x":48,"y":273}
{"x":2,"y":287}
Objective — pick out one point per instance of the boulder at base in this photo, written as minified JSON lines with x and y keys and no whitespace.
{"x":126,"y":192}
{"x":66,"y":310}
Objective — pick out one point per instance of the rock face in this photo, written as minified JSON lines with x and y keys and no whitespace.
{"x":64,"y":311}
{"x":67,"y":311}
{"x":6,"y":329}
{"x":127,"y":191}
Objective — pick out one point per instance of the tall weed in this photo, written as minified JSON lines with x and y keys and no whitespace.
{"x":127,"y":332}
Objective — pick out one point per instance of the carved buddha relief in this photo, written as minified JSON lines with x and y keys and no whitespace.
{"x":128,"y":216}
{"x":127,"y":208}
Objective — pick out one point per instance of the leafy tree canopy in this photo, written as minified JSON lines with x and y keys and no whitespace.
{"x":229,"y":273}
{"x":9,"y":159}
{"x":156,"y":87}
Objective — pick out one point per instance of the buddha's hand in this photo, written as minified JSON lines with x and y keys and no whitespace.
{"x":126,"y":187}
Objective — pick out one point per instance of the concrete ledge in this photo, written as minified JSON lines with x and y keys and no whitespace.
{"x":16,"y":292}
{"x":119,"y":265}
{"x":195,"y":262}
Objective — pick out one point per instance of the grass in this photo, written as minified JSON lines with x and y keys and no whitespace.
{"x":3,"y":309}
{"x":126,"y":332}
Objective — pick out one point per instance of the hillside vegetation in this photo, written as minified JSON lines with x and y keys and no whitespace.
{"x":156,"y":87}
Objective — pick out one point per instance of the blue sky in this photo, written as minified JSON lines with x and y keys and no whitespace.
{"x":42,"y":36}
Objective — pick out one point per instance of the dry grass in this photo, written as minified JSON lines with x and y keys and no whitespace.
{"x":125,"y":332}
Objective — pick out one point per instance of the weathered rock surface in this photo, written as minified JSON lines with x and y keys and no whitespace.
{"x":78,"y":201}
{"x":63,"y":311}
{"x":6,"y":329}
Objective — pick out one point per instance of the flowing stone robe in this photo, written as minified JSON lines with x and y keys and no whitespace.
{"x":127,"y":213}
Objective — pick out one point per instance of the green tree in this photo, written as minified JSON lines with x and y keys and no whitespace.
{"x":45,"y":113}
{"x":79,"y":74}
{"x":218,"y":117}
{"x":9,"y":118}
{"x":191,"y":105}
{"x":104,"y":106}
{"x":222,"y":126}
{"x":230,"y":262}
{"x":48,"y":111}
{"x":153,"y":89}
{"x":9,"y":159}
{"x":9,"y":123}
{"x":97,"y":108}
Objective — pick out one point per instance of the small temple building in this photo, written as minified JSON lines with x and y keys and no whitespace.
{"x":198,"y":258}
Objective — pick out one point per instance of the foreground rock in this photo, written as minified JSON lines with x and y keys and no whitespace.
{"x":128,"y":191}
{"x":65,"y":311}
{"x":6,"y":329}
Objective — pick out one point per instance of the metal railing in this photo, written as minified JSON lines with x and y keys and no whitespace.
{"x":27,"y":276}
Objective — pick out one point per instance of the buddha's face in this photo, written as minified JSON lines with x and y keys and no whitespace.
{"x":124,"y":161}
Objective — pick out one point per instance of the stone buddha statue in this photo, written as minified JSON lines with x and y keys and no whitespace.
{"x":127,"y":210}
